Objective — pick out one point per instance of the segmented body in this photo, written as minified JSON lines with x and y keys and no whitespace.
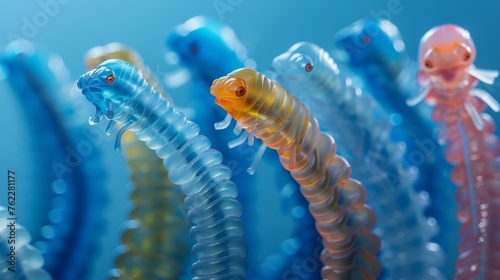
{"x":336,"y":201}
{"x":446,"y":54}
{"x":118,"y":90}
{"x":376,"y":50}
{"x":311,"y":75}
{"x":74,"y":182}
{"x":26,"y":261}
{"x":156,"y":240}
{"x":210,"y":49}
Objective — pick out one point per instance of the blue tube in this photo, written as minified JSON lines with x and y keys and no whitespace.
{"x":72,"y":176}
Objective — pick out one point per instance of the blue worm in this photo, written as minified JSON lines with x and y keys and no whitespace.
{"x":210,"y":49}
{"x":119,"y":91}
{"x":20,"y":260}
{"x":74,"y":177}
{"x":311,"y":75}
{"x":376,"y":51}
{"x":157,"y":208}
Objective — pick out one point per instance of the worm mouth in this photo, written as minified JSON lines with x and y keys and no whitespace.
{"x":224,"y":102}
{"x":449,"y":75}
{"x":219,"y":90}
{"x":224,"y":91}
{"x":93,"y":89}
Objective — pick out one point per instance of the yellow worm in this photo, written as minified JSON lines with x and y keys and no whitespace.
{"x":336,"y":201}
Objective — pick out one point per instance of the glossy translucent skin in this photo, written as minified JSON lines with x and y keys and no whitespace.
{"x":210,"y":194}
{"x":405,"y":232}
{"x":446,"y":54}
{"x":74,"y":180}
{"x":28,"y":260}
{"x":337,"y":202}
{"x":156,"y":243}
{"x":375,"y":49}
{"x":156,"y":239}
{"x":210,"y":49}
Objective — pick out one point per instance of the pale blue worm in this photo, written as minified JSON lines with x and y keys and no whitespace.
{"x":120,"y":92}
{"x":311,"y":75}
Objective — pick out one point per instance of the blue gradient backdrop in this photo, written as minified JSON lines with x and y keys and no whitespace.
{"x":267,"y":28}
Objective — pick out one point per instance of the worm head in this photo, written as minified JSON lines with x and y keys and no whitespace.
{"x":302,"y":66}
{"x":296,"y":63}
{"x":371,"y":41}
{"x":99,"y":54}
{"x":209,"y":48}
{"x":234,"y":92}
{"x":445,"y":54}
{"x":103,"y":89}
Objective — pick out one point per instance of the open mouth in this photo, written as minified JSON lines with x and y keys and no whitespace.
{"x":449,"y":76}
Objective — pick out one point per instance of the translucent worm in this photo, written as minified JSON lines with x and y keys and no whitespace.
{"x":375,"y":49}
{"x":119,"y":91}
{"x":24,"y":261}
{"x":156,"y":243}
{"x":210,"y":49}
{"x":449,"y":80}
{"x":311,"y":75}
{"x":336,"y":201}
{"x":73,"y":184}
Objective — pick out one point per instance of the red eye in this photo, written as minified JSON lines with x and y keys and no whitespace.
{"x":240,"y":91}
{"x":466,"y":56}
{"x":193,"y":49}
{"x":367,"y":39}
{"x":429,"y":64}
{"x":110,"y":79}
{"x":309,"y":67}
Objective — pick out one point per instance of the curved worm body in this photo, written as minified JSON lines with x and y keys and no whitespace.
{"x":27,"y":261}
{"x":311,"y":75}
{"x":336,"y":201}
{"x":376,"y":50}
{"x":210,"y":50}
{"x":74,"y":183}
{"x":156,"y":243}
{"x":119,"y":91}
{"x":446,"y":54}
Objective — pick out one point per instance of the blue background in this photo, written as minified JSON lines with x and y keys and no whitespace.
{"x":267,"y":28}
